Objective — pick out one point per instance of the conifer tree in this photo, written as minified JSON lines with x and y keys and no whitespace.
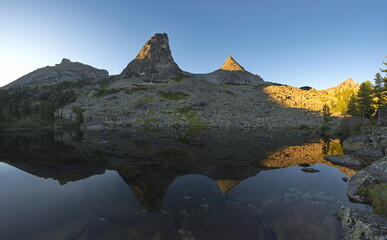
{"x":352,"y":108}
{"x":378,"y":89}
{"x":365,"y":100}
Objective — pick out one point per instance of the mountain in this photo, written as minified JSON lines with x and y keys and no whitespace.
{"x":65,"y":71}
{"x":154,"y":63}
{"x":347,"y":84}
{"x":233,"y":73}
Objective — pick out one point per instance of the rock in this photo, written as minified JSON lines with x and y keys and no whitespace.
{"x":154,"y":63}
{"x":356,"y":142}
{"x":309,"y":170}
{"x":369,"y":153}
{"x":233,"y":73}
{"x":344,"y":160}
{"x":345,"y":179}
{"x":65,"y":71}
{"x":357,"y":224}
{"x":375,"y":173}
{"x":95,"y":126}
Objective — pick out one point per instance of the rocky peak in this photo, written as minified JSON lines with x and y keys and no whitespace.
{"x":347,"y":84}
{"x":65,"y":60}
{"x":232,"y":65}
{"x":154,"y":62}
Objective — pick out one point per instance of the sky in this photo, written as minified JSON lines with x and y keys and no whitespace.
{"x":317,"y":43}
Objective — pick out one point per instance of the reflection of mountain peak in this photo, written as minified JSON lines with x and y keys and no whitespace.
{"x":226,"y":185}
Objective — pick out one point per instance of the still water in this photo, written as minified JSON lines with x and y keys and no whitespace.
{"x":219,"y":185}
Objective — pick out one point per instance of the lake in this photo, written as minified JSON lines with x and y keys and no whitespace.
{"x":213,"y":184}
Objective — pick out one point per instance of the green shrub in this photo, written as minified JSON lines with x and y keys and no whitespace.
{"x":102,"y":92}
{"x":173,"y":96}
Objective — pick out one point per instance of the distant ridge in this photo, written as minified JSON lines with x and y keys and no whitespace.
{"x":65,"y":71}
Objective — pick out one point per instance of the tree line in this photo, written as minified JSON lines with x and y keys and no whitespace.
{"x":370,"y":97}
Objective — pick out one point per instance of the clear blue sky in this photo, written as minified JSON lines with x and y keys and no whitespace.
{"x":319,"y":43}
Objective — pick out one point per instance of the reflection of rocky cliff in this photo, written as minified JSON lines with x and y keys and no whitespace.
{"x":149,"y":163}
{"x":309,"y":154}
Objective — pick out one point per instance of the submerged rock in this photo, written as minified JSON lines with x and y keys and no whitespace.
{"x":357,"y":224}
{"x":309,"y":170}
{"x":344,"y":160}
{"x":374,"y":174}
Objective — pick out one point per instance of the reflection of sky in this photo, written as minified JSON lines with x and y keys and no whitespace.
{"x":302,"y":42}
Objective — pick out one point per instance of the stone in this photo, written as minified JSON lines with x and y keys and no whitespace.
{"x":356,"y":142}
{"x":358,"y":224}
{"x":369,"y":154}
{"x":309,"y":170}
{"x":376,"y":173}
{"x":344,"y":160}
{"x":154,"y":63}
{"x":345,"y":179}
{"x":65,"y":71}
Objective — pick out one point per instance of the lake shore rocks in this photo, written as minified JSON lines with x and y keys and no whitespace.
{"x":345,"y":161}
{"x":357,"y":224}
{"x":375,"y":173}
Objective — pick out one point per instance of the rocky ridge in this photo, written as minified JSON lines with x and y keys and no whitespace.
{"x":65,"y":71}
{"x":154,"y":62}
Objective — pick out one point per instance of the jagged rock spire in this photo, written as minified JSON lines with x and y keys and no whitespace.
{"x":154,"y":62}
{"x":232,"y":65}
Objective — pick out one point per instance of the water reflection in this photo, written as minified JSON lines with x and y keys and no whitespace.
{"x":223,"y":185}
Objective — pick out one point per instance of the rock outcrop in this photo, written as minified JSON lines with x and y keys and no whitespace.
{"x":357,"y":224}
{"x":344,"y":160}
{"x":374,"y":174}
{"x":233,"y":73}
{"x":154,"y":63}
{"x":65,"y":71}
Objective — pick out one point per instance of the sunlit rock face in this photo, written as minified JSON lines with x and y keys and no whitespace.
{"x":347,"y":84}
{"x":65,"y":71}
{"x":231,"y":65}
{"x":232,"y":73}
{"x":154,"y":63}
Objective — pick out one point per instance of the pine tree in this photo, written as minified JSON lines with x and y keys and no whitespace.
{"x":352,"y":108}
{"x":326,"y":113}
{"x":378,"y":89}
{"x":365,"y":100}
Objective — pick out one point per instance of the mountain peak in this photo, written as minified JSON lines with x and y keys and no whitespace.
{"x":65,"y":60}
{"x":154,"y":61}
{"x":231,"y":65}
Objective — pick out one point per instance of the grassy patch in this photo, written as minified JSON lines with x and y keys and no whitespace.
{"x":378,"y":198}
{"x":171,"y":152}
{"x":178,"y":78}
{"x":145,"y":100}
{"x":102,"y":92}
{"x":195,"y":124}
{"x":186,"y":111}
{"x":138,"y":88}
{"x":148,"y":124}
{"x":173,"y":96}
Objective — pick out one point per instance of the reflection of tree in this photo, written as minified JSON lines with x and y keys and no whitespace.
{"x":331,"y":147}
